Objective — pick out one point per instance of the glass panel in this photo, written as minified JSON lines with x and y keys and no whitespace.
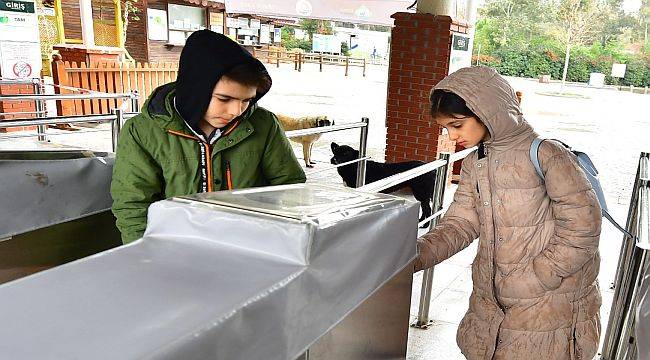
{"x":187,"y":18}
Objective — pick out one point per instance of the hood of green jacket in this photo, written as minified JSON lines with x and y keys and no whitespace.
{"x":160,"y":109}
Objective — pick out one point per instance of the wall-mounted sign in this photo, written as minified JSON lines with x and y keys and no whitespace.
{"x":157,"y":24}
{"x":243,"y":23}
{"x":265,"y":34}
{"x":19,"y":60}
{"x":20,"y":48}
{"x":232,"y":23}
{"x":255,"y":24}
{"x":277,"y":35}
{"x":459,"y":56}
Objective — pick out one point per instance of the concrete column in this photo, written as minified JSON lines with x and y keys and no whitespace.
{"x":87,"y":30}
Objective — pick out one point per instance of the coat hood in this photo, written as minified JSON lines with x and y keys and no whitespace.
{"x":205,"y":58}
{"x":493,"y":100}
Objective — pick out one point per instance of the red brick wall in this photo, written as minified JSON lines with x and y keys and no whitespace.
{"x":419,"y":59}
{"x":16,"y":106}
{"x":136,"y":37}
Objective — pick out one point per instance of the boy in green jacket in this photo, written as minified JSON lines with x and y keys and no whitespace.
{"x":204,"y":132}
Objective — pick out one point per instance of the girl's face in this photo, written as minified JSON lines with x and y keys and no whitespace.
{"x":466,"y":131}
{"x":229,"y":100}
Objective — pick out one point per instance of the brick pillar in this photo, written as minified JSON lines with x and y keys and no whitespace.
{"x":14,"y":109}
{"x":419,"y":59}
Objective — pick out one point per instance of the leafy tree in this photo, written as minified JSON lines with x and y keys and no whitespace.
{"x":313,"y":26}
{"x":577,"y":23}
{"x":515,"y":22}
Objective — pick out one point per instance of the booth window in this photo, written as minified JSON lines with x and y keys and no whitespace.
{"x":183,"y":21}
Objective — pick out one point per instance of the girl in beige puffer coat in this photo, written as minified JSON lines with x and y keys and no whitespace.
{"x":535,"y":293}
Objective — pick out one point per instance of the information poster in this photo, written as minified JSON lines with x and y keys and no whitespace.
{"x":157,"y":24}
{"x":20,"y":60}
{"x":265,"y":34}
{"x":20,"y":49}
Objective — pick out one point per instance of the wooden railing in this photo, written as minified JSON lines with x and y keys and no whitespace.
{"x":107,"y":77}
{"x":276,"y":57}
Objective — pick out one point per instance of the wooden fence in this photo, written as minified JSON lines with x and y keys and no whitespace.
{"x":282,"y":56}
{"x":109,"y":78}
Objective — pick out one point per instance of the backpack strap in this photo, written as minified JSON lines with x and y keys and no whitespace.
{"x":534,"y":156}
{"x":591,"y":173}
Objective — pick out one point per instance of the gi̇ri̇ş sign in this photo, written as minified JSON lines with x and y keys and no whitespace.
{"x":20,"y":50}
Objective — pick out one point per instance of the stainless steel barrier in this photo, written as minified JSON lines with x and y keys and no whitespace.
{"x":41,"y":121}
{"x":363,"y":144}
{"x":633,"y":264}
{"x":443,"y":162}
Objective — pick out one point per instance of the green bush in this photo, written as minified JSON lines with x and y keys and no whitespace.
{"x":636,"y":73}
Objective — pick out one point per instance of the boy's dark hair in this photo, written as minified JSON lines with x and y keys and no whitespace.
{"x":249,"y":75}
{"x":446,"y":103}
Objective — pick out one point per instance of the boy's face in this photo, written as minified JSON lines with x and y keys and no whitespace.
{"x":466,"y":131}
{"x":229,"y":100}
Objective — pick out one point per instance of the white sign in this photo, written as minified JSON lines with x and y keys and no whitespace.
{"x":300,"y":34}
{"x":19,"y":25}
{"x":459,"y":57}
{"x":157,"y":24}
{"x":618,"y":70}
{"x":255,"y":24}
{"x":326,"y":44}
{"x":232,"y":23}
{"x":243,"y":22}
{"x":277,"y":35}
{"x":265,"y":34}
{"x":20,"y":60}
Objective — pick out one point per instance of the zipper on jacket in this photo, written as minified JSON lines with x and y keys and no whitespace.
{"x":228,"y":176}
{"x":205,"y":163}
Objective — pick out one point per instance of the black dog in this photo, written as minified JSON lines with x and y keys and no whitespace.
{"x":421,"y":186}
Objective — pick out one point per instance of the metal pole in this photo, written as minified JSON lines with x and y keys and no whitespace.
{"x":626,"y":340}
{"x":134,"y":101}
{"x":116,"y":127}
{"x":363,"y":144}
{"x":38,"y":106}
{"x":622,"y":281}
{"x":423,"y":321}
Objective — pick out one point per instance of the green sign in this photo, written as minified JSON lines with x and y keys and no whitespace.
{"x":17,"y":6}
{"x":460,"y":43}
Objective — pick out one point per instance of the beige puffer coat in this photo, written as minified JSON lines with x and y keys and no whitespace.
{"x":535,"y":291}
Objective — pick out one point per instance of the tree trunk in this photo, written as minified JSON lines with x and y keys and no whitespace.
{"x":566,"y":64}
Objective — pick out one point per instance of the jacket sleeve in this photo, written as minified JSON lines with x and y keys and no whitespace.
{"x":279,"y":163}
{"x":577,"y":217}
{"x":137,"y":182}
{"x":458,"y":228}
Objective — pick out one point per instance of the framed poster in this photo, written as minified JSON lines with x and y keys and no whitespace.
{"x":157,"y":24}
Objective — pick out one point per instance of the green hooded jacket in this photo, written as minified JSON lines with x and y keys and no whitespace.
{"x":159,"y":156}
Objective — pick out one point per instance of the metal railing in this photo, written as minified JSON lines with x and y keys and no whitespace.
{"x":116,"y":117}
{"x":633,"y":264}
{"x":441,"y":166}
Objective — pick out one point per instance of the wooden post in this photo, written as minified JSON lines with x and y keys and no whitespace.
{"x":347,"y":64}
{"x":119,"y":26}
{"x":60,"y":32}
{"x":277,"y":58}
{"x":364,"y":67}
{"x":321,"y":62}
{"x":60,"y":77}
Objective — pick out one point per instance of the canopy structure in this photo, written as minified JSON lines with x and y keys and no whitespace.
{"x":356,"y":11}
